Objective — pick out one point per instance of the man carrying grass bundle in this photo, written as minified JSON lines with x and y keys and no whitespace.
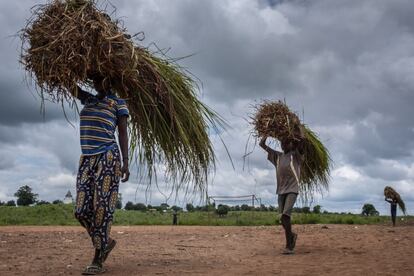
{"x":303,"y":166}
{"x":100,"y":167}
{"x":288,"y":164}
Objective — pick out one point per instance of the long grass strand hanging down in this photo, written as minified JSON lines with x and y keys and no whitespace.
{"x":66,"y":43}
{"x":274,"y":119}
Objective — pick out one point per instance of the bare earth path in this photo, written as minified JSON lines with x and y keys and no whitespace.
{"x":182,"y":250}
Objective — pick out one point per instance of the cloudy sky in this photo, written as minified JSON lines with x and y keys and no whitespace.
{"x":346,"y":66}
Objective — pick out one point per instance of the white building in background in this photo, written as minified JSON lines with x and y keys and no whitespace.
{"x":68,"y":198}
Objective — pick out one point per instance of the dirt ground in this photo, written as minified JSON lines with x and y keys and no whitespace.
{"x":196,"y":250}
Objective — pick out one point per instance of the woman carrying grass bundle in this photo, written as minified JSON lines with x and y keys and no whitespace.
{"x":288,"y":166}
{"x":100,"y":167}
{"x":67,"y":43}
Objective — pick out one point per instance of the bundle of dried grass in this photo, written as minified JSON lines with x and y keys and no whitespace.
{"x":66,"y":43}
{"x":274,"y":119}
{"x":390,"y":193}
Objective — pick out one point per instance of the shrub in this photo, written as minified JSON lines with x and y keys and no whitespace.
{"x":222,"y":210}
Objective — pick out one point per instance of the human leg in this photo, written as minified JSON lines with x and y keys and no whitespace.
{"x":393,"y":214}
{"x":84,"y":194}
{"x":106,"y":187}
{"x":291,"y":237}
{"x":281,"y":203}
{"x":84,"y":210}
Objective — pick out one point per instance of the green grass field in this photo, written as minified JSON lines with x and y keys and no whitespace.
{"x":63,"y":215}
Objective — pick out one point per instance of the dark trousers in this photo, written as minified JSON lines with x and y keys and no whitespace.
{"x":393,"y":213}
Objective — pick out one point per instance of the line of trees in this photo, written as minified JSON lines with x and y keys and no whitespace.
{"x":8,"y":203}
{"x":142,"y":207}
{"x":223,"y":209}
{"x":245,"y":207}
{"x":212,"y":207}
{"x":220,"y":209}
{"x":25,"y":196}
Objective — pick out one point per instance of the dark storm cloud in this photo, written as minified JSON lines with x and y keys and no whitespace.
{"x":345,"y":63}
{"x":244,"y":59}
{"x":340,"y":61}
{"x":349,"y":65}
{"x":19,"y":102}
{"x":7,"y":160}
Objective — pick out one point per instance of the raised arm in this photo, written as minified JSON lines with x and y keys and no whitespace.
{"x":123,"y":142}
{"x":262,"y":144}
{"x":388,"y":200}
{"x":81,"y":94}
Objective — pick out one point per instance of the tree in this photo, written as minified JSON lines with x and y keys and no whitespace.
{"x":129,"y":206}
{"x":57,"y":201}
{"x":25,"y":196}
{"x":164,"y":206}
{"x":43,"y":202}
{"x":297,"y":210}
{"x":176,"y":208}
{"x":263,"y":208}
{"x":222,"y":210}
{"x":11,"y":203}
{"x":369,"y":210}
{"x":2,"y":203}
{"x":306,"y":210}
{"x":317,"y":209}
{"x":189,"y":207}
{"x":118,"y":204}
{"x":245,"y":207}
{"x":140,"y":207}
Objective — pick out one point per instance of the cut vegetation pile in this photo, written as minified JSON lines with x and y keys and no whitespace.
{"x":67,"y":43}
{"x":274,"y":119}
{"x":390,"y":193}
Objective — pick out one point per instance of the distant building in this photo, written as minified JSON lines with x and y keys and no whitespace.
{"x":68,"y":198}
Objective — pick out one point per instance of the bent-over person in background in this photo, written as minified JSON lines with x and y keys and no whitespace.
{"x":393,"y":203}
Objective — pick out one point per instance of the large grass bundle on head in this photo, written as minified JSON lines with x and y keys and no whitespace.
{"x":67,"y":43}
{"x":274,"y":119}
{"x":390,"y":193}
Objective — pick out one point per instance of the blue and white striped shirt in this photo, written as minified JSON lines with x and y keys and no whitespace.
{"x":98,"y":121}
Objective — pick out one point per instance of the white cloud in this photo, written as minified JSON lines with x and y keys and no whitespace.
{"x":60,"y":180}
{"x":346,"y":173}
